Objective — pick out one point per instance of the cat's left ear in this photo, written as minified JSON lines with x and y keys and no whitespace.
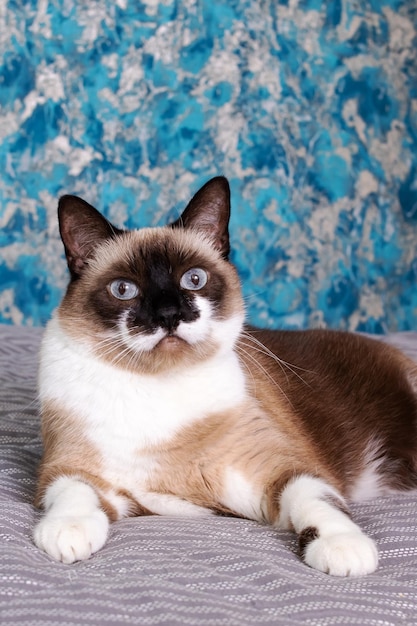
{"x":82,"y":229}
{"x":209,"y":212}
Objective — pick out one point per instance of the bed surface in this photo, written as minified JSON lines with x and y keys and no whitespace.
{"x":162,"y":570}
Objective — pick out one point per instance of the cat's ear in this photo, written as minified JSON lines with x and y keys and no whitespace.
{"x":209,"y":212}
{"x":82,"y":228}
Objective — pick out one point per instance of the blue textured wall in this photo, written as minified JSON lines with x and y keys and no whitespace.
{"x":309,"y":107}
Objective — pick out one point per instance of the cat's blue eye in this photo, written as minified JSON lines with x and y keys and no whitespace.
{"x":123,"y":289}
{"x":194,"y":279}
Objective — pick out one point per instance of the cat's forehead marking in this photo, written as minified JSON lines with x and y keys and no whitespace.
{"x":156,"y":245}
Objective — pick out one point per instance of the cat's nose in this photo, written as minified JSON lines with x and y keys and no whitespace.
{"x":168,"y":316}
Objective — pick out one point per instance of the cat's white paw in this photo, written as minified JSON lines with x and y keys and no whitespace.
{"x":72,"y":538}
{"x":342,"y":554}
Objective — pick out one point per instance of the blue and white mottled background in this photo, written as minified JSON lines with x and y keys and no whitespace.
{"x":308,"y":106}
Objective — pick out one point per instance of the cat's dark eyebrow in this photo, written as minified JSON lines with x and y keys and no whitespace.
{"x":142,"y":256}
{"x":137,"y":257}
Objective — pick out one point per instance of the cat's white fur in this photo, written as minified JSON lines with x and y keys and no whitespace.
{"x":370,"y":483}
{"x":135,"y":410}
{"x":242,"y":496}
{"x":74,"y":526}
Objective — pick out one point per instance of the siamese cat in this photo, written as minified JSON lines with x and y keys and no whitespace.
{"x":157,"y":399}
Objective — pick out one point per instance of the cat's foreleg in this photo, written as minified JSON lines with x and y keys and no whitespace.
{"x":73,"y":526}
{"x":329,"y":540}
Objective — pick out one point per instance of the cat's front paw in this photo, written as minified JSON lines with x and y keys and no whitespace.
{"x":342,"y":554}
{"x":72,"y":538}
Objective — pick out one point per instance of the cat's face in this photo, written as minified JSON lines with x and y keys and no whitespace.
{"x":155,"y":298}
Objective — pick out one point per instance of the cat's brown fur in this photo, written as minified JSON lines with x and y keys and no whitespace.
{"x":345,"y":390}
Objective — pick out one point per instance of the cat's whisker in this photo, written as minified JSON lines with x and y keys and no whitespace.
{"x":127,"y":351}
{"x":247,"y":298}
{"x":264,"y":371}
{"x":106,"y":349}
{"x":284,"y":367}
{"x":246,"y":366}
{"x":251,"y":347}
{"x":112,"y":344}
{"x":251,"y":337}
{"x":260,"y":344}
{"x":283,"y":364}
{"x":134,"y":358}
{"x":118,"y":337}
{"x":34,"y":404}
{"x":255,"y":360}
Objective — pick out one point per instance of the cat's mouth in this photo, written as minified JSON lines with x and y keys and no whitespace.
{"x":171,"y":341}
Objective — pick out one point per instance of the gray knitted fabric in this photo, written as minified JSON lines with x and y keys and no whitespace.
{"x":162,"y":570}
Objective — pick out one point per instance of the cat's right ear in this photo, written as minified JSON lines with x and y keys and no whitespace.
{"x":82,"y":228}
{"x":209,"y":212}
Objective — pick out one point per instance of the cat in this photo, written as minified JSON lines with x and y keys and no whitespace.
{"x":156,"y":398}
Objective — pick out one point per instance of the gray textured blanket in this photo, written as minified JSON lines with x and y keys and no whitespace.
{"x":154,"y":570}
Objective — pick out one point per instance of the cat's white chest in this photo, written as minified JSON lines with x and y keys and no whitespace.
{"x":124,"y":415}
